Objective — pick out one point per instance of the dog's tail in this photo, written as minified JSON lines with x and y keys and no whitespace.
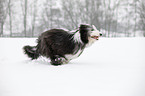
{"x":31,"y":52}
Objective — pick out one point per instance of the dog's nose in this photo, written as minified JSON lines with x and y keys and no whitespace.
{"x":100,"y":34}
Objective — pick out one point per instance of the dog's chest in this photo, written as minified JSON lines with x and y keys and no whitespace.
{"x":73,"y":56}
{"x":91,"y":41}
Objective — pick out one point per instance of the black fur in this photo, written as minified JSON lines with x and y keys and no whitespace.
{"x":31,"y":52}
{"x":84,"y":33}
{"x":56,"y":43}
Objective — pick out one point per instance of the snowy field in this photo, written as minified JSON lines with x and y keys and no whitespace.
{"x":110,"y":67}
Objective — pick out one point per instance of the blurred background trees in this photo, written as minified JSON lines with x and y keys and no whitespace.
{"x":3,"y":15}
{"x":29,"y":18}
{"x":141,"y":12}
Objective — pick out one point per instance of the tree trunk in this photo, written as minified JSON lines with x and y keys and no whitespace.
{"x":10,"y":17}
{"x":34,"y":17}
{"x":135,"y":20}
{"x":25,"y":18}
{"x":1,"y":27}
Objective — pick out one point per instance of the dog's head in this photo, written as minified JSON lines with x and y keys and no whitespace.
{"x":94,"y":33}
{"x":90,"y":31}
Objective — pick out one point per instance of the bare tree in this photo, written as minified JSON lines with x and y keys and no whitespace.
{"x":10,"y":15}
{"x":69,"y":8}
{"x":127,"y":18}
{"x":47,"y":14}
{"x":3,"y":14}
{"x":24,"y":10}
{"x":135,"y":11}
{"x":81,"y":11}
{"x":110,"y":13}
{"x":134,"y":14}
{"x":34,"y":15}
{"x":142,"y":15}
{"x":25,"y":17}
{"x":104,"y":14}
{"x":116,"y":6}
{"x":109,"y":17}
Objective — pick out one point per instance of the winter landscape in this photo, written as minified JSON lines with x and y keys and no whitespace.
{"x":113,"y":66}
{"x":110,"y":67}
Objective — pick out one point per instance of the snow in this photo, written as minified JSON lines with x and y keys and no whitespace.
{"x":110,"y":67}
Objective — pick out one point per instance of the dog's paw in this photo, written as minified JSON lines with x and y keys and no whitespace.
{"x":56,"y":63}
{"x":59,"y":61}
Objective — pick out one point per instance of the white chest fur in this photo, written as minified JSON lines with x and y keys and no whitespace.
{"x":70,"y":56}
{"x":91,"y":41}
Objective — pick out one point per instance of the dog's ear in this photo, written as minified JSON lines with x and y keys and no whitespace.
{"x":93,"y":26}
{"x":84,"y":32}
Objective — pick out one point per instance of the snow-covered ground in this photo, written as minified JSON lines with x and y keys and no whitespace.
{"x":110,"y":67}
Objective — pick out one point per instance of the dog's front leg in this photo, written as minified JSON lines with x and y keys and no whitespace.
{"x":57,"y":60}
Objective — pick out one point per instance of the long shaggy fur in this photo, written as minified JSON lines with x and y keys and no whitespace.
{"x":59,"y":45}
{"x":31,"y":52}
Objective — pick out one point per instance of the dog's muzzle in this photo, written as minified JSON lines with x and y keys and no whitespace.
{"x":97,"y":37}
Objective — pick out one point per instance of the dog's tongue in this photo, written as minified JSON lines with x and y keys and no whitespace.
{"x":95,"y":37}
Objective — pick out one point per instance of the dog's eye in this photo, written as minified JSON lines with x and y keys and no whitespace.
{"x":92,"y":30}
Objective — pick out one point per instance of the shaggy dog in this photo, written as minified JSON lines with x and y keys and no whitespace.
{"x":62,"y":46}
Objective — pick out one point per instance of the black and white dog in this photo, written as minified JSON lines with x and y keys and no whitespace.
{"x":62,"y":46}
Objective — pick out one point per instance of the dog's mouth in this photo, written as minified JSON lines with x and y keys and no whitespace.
{"x":95,"y":37}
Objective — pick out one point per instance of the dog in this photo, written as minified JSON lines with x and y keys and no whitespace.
{"x":61,"y":46}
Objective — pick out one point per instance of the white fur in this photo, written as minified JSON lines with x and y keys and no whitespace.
{"x":91,"y":41}
{"x":70,"y":56}
{"x":93,"y":33}
{"x":77,"y":37}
